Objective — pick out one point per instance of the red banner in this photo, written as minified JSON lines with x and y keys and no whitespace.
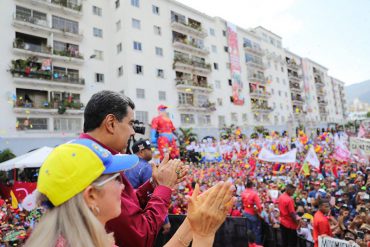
{"x":20,"y":189}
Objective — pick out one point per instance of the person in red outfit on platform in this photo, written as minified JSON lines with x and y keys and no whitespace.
{"x":162,"y":133}
{"x":321,"y":226}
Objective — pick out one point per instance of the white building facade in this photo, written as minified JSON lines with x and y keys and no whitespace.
{"x":210,"y":73}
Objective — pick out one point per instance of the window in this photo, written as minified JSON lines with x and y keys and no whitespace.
{"x":287,"y":107}
{"x":214,"y":49}
{"x":118,"y":25}
{"x":228,"y":65}
{"x":157,"y":30}
{"x":212,"y":32}
{"x":282,"y":69}
{"x":162,"y":95}
{"x":286,"y":94}
{"x":119,"y":47}
{"x":281,"y":106}
{"x":31,"y":15}
{"x":98,"y":54}
{"x":137,"y":46}
{"x":218,"y":84}
{"x":276,"y":67}
{"x":135,"y":3}
{"x":219,"y":101}
{"x":155,"y":10}
{"x":142,"y":116}
{"x":159,"y":51}
{"x":274,"y":105}
{"x":99,"y":77}
{"x":224,"y":33}
{"x":221,"y":121}
{"x":215,"y":66}
{"x":204,"y":119}
{"x":282,"y":119}
{"x":226,"y":49}
{"x":279,"y":93}
{"x":277,"y":80}
{"x":139,"y":69}
{"x":278,"y":44}
{"x":284,"y":82}
{"x":98,"y":32}
{"x":67,"y":124}
{"x":117,"y":4}
{"x":186,"y":98}
{"x":187,"y":118}
{"x":136,"y":23}
{"x":120,"y":71}
{"x":32,"y":124}
{"x":160,"y":73}
{"x":234,"y":117}
{"x":272,"y":91}
{"x":140,"y":93}
{"x":244,"y":117}
{"x":97,"y":11}
{"x":65,"y":25}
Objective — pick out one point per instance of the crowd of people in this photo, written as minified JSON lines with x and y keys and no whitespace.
{"x":345,"y":183}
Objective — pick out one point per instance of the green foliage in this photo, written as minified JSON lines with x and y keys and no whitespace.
{"x":227,"y":131}
{"x":185,"y":137}
{"x":6,"y":154}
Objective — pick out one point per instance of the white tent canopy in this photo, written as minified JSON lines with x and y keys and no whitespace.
{"x":33,"y":159}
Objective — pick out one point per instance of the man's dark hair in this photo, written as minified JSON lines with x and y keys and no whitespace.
{"x":290,"y":187}
{"x":249,"y":184}
{"x":323,"y":201}
{"x":103,"y":103}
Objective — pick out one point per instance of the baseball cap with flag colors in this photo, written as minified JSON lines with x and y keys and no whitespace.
{"x":73,"y":166}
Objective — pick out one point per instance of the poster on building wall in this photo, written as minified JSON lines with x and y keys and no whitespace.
{"x":306,"y":85}
{"x":235,"y":68}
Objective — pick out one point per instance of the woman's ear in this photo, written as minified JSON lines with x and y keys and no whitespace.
{"x":90,"y":195}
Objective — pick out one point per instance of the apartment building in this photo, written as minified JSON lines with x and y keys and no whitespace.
{"x":210,"y":72}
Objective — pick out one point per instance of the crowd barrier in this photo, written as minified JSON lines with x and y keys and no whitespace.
{"x":233,"y":233}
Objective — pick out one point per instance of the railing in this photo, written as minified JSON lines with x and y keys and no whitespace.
{"x":32,"y":20}
{"x":260,"y":94}
{"x":19,"y":44}
{"x":189,"y":61}
{"x":257,"y":51}
{"x":67,"y":53}
{"x":204,"y":85}
{"x":67,"y":4}
{"x":191,"y":27}
{"x":256,"y":64}
{"x":206,"y":106}
{"x":47,"y":75}
{"x":257,"y":78}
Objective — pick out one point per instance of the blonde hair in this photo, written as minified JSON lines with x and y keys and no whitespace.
{"x":74,"y":222}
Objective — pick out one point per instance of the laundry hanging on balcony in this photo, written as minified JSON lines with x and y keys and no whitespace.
{"x":46,"y":64}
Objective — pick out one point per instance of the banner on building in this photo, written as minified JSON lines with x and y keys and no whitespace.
{"x":306,"y":85}
{"x":235,"y":68}
{"x":361,"y":144}
{"x":334,"y":242}
{"x":267,"y":155}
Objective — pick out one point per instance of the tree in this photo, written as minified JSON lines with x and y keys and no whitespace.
{"x":368,"y":115}
{"x":185,"y":137}
{"x":226,"y":132}
{"x":5,"y":155}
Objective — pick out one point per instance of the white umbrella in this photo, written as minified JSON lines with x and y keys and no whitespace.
{"x":32,"y":159}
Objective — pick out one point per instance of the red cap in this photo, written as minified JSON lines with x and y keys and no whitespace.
{"x":161,"y":107}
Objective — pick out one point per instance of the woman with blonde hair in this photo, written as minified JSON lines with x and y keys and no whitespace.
{"x":81,"y":184}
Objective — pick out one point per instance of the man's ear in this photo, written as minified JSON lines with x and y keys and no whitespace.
{"x":109,"y":123}
{"x":90,"y":196}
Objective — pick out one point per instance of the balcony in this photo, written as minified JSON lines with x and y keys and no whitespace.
{"x":64,"y":7}
{"x":257,"y":65}
{"x":187,"y":46}
{"x":294,"y":77}
{"x":190,"y":29}
{"x":207,"y":107}
{"x":67,"y":34}
{"x":297,"y":101}
{"x":259,"y":94}
{"x":31,"y":23}
{"x":322,"y":103}
{"x":292,"y":65}
{"x":68,"y":56}
{"x":253,"y":50}
{"x":189,"y":84}
{"x":188,"y":65}
{"x":45,"y":78}
{"x":261,"y":108}
{"x":257,"y":78}
{"x":31,"y":49}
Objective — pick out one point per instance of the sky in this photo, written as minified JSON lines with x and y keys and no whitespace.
{"x":333,"y":33}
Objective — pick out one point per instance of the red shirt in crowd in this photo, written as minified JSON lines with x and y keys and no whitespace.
{"x":249,"y":199}
{"x":321,"y":226}
{"x":286,"y":207}
{"x":142,"y":216}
